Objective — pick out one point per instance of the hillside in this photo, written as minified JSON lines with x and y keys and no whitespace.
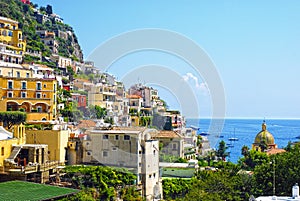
{"x":41,"y":26}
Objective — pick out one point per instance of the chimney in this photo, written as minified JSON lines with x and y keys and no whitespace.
{"x":295,"y":191}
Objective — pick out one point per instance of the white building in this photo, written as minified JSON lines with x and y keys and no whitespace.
{"x":130,"y":148}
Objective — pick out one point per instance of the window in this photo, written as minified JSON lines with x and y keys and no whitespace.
{"x":54,"y":87}
{"x":154,"y":152}
{"x":39,"y":109}
{"x":10,"y":84}
{"x":140,"y":164}
{"x":105,"y":137}
{"x":117,"y":137}
{"x":44,"y":95}
{"x":38,"y":86}
{"x":150,"y":175}
{"x":18,"y":74}
{"x":88,"y":153}
{"x":23,"y":94}
{"x":105,"y":154}
{"x":115,"y":148}
{"x":10,"y":94}
{"x":23,"y":85}
{"x":27,"y":75}
{"x":126,"y":137}
{"x":38,"y":95}
{"x":0,"y":71}
{"x":174,"y":146}
{"x":2,"y":151}
{"x":45,"y":85}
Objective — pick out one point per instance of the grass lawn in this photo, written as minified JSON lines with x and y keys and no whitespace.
{"x":178,"y":172}
{"x":19,"y":190}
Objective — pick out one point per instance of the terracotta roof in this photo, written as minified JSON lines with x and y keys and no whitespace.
{"x":167,"y":134}
{"x":134,"y":96}
{"x":275,"y":151}
{"x":86,"y":124}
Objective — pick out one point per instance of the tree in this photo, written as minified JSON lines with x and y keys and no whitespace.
{"x":221,"y":152}
{"x":130,"y":194}
{"x":12,"y":118}
{"x":96,"y":111}
{"x":254,"y":159}
{"x":71,"y":111}
{"x":42,"y":9}
{"x":102,"y":183}
{"x":286,"y":169}
{"x":49,"y":10}
{"x":263,"y":145}
{"x":215,"y":185}
{"x":210,"y":157}
{"x":175,"y":188}
{"x":245,"y":151}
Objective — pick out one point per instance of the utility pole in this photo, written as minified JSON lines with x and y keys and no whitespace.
{"x":274,"y":176}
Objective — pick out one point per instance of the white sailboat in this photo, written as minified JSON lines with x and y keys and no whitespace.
{"x":233,"y":138}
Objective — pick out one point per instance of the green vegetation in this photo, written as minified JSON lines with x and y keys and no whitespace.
{"x":103,"y":183}
{"x":19,"y":190}
{"x":145,"y":121}
{"x":71,"y":112}
{"x":24,"y":14}
{"x":97,"y":112}
{"x":253,"y":175}
{"x":12,"y":118}
{"x":170,"y":158}
{"x":221,"y":152}
{"x":176,"y":188}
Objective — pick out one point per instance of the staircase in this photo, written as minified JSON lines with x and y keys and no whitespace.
{"x":13,"y":154}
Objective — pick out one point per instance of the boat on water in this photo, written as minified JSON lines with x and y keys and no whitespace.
{"x":233,"y":139}
{"x":204,"y":134}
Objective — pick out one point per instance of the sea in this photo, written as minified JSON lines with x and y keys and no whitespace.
{"x":245,"y":130}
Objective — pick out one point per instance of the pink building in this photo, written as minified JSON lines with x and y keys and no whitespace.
{"x":80,"y":99}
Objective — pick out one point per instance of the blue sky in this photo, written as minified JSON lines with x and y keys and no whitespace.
{"x":254,"y":46}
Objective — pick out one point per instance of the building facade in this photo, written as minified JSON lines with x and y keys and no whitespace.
{"x":56,"y":139}
{"x":126,"y":147}
{"x":36,"y":97}
{"x":172,"y":143}
{"x":11,"y":35}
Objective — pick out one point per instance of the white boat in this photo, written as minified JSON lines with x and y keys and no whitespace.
{"x":233,"y":139}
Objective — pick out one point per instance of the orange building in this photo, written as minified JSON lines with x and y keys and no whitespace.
{"x":36,"y":97}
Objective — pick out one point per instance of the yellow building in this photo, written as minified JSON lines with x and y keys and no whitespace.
{"x":15,"y":70}
{"x":57,"y":141}
{"x":22,"y":161}
{"x":8,"y":139}
{"x":36,"y":97}
{"x":264,"y":141}
{"x":11,"y":35}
